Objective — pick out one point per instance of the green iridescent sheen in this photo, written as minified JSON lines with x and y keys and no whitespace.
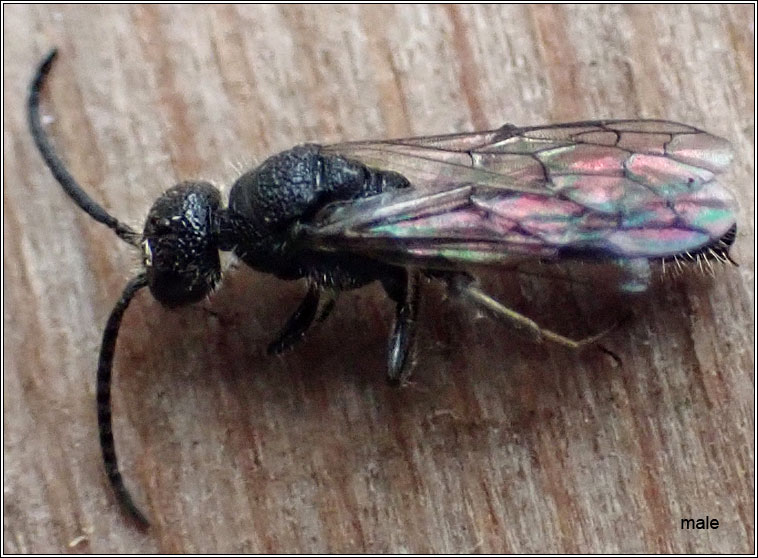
{"x":708,"y":216}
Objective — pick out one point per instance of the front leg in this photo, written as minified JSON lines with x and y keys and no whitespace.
{"x":406,"y":291}
{"x":295,"y":328}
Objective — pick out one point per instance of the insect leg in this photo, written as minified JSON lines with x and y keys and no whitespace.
{"x":295,"y":328}
{"x":327,"y":304}
{"x":637,"y":274}
{"x":465,"y":287}
{"x":403,"y":333}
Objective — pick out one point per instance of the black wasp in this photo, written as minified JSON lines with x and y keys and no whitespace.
{"x":625,"y":192}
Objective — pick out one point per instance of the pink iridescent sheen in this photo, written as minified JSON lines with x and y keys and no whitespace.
{"x":585,"y":159}
{"x":527,"y":206}
{"x":643,"y":242}
{"x":667,"y":177}
{"x":701,"y":150}
{"x":625,"y":189}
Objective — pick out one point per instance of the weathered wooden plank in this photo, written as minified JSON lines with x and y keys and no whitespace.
{"x":499,"y":445}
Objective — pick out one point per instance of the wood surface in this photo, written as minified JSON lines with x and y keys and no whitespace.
{"x":498,"y":445}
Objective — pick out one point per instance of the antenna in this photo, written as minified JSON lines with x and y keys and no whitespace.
{"x":104,"y":414}
{"x":58,"y":167}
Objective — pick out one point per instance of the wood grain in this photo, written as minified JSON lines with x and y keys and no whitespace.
{"x":499,"y":445}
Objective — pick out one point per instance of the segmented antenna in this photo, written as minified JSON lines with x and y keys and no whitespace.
{"x":104,"y":415}
{"x":58,"y":167}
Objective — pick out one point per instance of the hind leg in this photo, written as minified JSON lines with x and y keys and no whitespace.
{"x":465,"y":287}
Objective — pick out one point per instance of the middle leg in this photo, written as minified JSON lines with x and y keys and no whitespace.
{"x":405,"y":290}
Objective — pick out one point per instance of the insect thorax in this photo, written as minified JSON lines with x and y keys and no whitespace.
{"x":266,"y":204}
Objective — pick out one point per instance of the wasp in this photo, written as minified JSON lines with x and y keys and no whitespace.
{"x":623,"y":192}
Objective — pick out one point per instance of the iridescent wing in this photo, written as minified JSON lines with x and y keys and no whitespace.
{"x":605,"y":189}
